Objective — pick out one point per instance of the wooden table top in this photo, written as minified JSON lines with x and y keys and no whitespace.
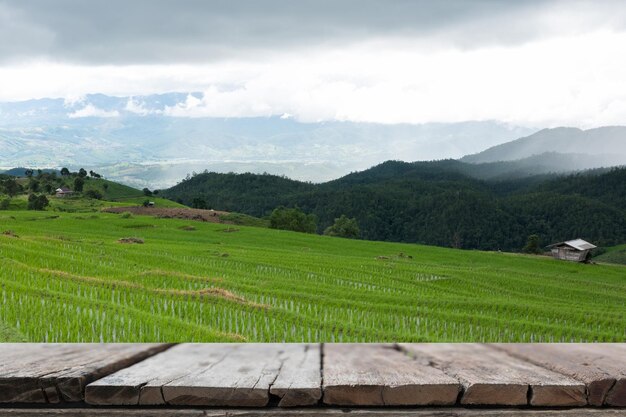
{"x":272,"y":379}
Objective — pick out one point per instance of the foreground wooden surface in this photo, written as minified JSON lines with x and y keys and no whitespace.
{"x":309,"y":412}
{"x":52,"y":373}
{"x":280,"y":377}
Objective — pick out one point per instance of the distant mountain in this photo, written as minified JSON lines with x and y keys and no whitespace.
{"x":606,"y":145}
{"x":21,"y":172}
{"x":137,"y":140}
{"x":436,"y":203}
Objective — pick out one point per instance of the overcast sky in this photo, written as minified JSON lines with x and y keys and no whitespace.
{"x":535,"y":63}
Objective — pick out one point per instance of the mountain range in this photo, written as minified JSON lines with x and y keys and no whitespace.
{"x":144,"y":141}
{"x":436,"y":203}
{"x":138,"y":140}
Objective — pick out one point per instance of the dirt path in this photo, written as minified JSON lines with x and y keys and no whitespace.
{"x":212,"y":216}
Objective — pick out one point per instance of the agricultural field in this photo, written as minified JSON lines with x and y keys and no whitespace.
{"x":613,"y":255}
{"x":92,"y":277}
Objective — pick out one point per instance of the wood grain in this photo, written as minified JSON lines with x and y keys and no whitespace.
{"x":217,"y":375}
{"x":492,"y":377}
{"x":308,"y":412}
{"x":299,"y":381}
{"x":602,"y":367}
{"x":373,"y":374}
{"x":52,"y":373}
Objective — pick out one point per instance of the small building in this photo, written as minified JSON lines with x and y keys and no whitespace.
{"x":150,"y":203}
{"x":63,"y":192}
{"x":576,"y":250}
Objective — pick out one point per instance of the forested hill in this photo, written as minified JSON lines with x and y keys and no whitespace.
{"x":436,"y":203}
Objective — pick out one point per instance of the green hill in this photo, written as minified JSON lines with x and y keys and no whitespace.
{"x":95,"y":194}
{"x":613,"y":255}
{"x":102,"y":277}
{"x":436,"y":203}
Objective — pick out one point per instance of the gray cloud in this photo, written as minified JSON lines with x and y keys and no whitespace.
{"x":162,"y":31}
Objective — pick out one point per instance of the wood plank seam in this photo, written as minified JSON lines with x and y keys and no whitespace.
{"x":537,"y":363}
{"x":501,"y":379}
{"x":598,"y":367}
{"x":380,"y":375}
{"x":399,"y":348}
{"x":610,"y":392}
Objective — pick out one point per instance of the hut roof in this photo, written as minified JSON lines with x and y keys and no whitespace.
{"x":577,"y":244}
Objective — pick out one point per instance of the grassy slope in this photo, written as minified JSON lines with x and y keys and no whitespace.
{"x":10,"y":335}
{"x":206,"y":284}
{"x":613,"y":255}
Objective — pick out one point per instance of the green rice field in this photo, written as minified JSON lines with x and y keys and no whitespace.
{"x":66,"y":277}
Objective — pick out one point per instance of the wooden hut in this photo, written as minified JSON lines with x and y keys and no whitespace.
{"x":63,"y":192}
{"x":576,"y":250}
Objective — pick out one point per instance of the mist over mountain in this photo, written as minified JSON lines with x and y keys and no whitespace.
{"x":603,"y":146}
{"x":139,"y":141}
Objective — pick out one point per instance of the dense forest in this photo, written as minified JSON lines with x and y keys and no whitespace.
{"x":441,"y":203}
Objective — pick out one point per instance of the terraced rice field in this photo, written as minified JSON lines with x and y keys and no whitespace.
{"x":65,"y":277}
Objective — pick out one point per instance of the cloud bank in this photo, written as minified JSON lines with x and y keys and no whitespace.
{"x":536,"y":63}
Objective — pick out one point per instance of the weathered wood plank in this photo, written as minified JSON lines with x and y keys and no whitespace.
{"x":141,"y":384}
{"x":602,"y":367}
{"x":492,"y":377}
{"x":40,"y":373}
{"x":308,"y":412}
{"x":299,"y":381}
{"x":366,"y":374}
{"x":216,"y":374}
{"x":242,"y":378}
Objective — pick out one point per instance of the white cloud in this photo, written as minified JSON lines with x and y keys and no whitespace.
{"x":139,"y":108}
{"x":575,"y":80}
{"x":73,"y":100}
{"x":91,"y":111}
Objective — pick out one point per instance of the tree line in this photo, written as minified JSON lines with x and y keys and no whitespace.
{"x":39,"y":184}
{"x":429,"y":204}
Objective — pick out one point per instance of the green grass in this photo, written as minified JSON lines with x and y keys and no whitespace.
{"x":80,"y":204}
{"x":245,"y":220}
{"x":65,"y":278}
{"x":10,"y":335}
{"x":613,"y":255}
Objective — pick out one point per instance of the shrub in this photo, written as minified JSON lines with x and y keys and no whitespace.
{"x":78,"y":184}
{"x":37,"y":202}
{"x":199,"y":203}
{"x":293,"y":219}
{"x":344,"y":227}
{"x":126,"y":215}
{"x":4,"y":204}
{"x":532,"y":245}
{"x":95,"y":194}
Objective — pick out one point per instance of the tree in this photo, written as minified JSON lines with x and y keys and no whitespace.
{"x":82,"y":173}
{"x":28,"y":172}
{"x":146,"y":203}
{"x":65,"y":172}
{"x":95,"y":194}
{"x":33,"y":185}
{"x":78,"y":184}
{"x":147,"y":192}
{"x":5,"y":203}
{"x":532,"y":245}
{"x":293,"y":219}
{"x":344,"y":227}
{"x":37,"y":202}
{"x":11,"y":187}
{"x":105,"y":186}
{"x":198,"y":203}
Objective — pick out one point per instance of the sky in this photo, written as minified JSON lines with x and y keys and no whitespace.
{"x":530,"y":63}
